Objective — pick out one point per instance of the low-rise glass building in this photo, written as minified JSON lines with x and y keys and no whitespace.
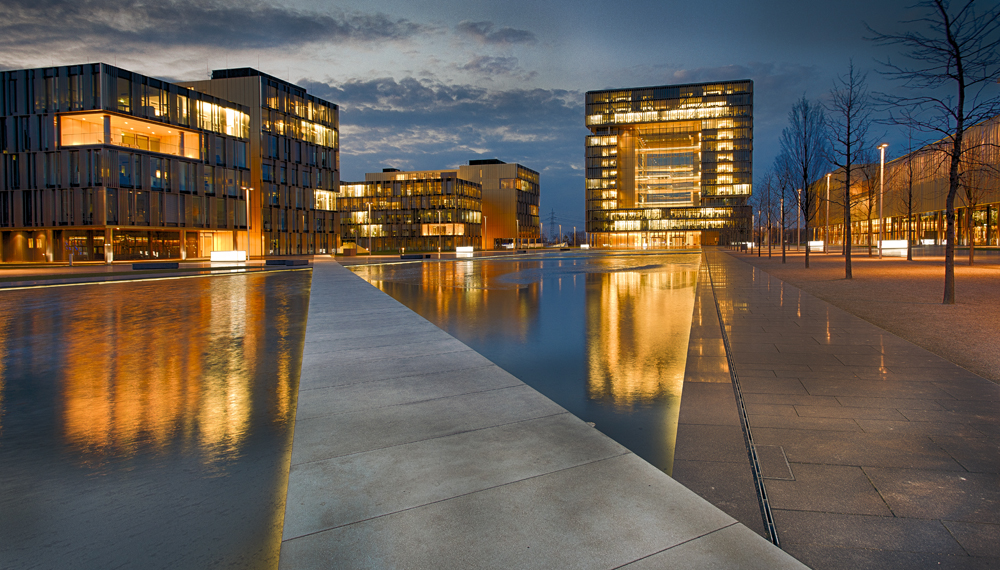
{"x":669,"y":166}
{"x":414,"y":211}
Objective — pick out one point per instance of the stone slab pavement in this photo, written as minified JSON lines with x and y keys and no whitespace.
{"x":411,"y":450}
{"x":881,"y":454}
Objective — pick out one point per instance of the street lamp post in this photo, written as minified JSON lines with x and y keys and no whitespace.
{"x":826,"y":234}
{"x":369,"y":230}
{"x":881,"y":191}
{"x":760,"y":238}
{"x":798,"y":221}
{"x":782,"y":228}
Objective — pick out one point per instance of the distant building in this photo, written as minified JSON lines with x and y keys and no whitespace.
{"x":669,"y":166}
{"x":294,"y":161}
{"x":510,"y":202}
{"x":101,"y":162}
{"x":417,"y":211}
{"x":926,"y":171}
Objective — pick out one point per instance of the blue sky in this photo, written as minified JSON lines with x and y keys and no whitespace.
{"x":431,"y":84}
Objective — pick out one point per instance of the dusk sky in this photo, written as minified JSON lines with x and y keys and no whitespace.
{"x":431,"y":84}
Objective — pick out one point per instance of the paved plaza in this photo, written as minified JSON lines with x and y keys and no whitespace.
{"x":877,"y":453}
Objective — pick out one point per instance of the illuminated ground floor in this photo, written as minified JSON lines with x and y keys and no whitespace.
{"x":135,"y":243}
{"x":653,"y":240}
{"x":926,"y":228}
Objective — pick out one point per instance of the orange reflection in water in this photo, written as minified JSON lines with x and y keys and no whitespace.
{"x":146,"y":372}
{"x":458,"y":294}
{"x":638,"y":328}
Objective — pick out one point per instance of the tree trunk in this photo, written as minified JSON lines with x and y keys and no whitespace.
{"x":971,"y":236}
{"x":805,"y":226}
{"x":909,"y":236}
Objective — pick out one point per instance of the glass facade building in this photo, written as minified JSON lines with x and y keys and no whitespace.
{"x":294,"y":161}
{"x":510,"y":202}
{"x":669,"y":166}
{"x":416,"y":211}
{"x":103,"y":163}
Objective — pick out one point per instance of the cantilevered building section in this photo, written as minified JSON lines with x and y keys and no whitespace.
{"x":294,"y":161}
{"x":669,"y":166}
{"x":102,"y":163}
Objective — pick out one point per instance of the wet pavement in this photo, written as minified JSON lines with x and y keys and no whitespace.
{"x":876,"y":453}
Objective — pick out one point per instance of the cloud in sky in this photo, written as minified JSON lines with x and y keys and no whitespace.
{"x":210,"y":23}
{"x":487,"y":33}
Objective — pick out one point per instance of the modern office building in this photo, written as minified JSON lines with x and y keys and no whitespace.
{"x":926,"y":171}
{"x":510,"y":202}
{"x":669,"y":166}
{"x":433,"y":210}
{"x":294,"y":161}
{"x":103,"y":163}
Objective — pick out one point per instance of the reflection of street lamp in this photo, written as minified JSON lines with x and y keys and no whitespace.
{"x":247,"y":193}
{"x":881,"y":189}
{"x":826,"y":234}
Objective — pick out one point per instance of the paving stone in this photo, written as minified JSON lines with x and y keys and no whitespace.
{"x":826,"y":488}
{"x":953,"y":496}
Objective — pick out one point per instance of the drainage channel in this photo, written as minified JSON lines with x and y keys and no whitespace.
{"x":765,"y":506}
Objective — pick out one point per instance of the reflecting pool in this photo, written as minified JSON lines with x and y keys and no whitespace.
{"x":148,"y":425}
{"x":603,"y":335}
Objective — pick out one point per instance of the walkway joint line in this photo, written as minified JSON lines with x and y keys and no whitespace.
{"x":758,"y":479}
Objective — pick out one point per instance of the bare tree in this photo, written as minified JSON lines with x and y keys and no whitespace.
{"x":850,"y":110}
{"x":951,"y":80}
{"x":804,"y":142}
{"x":904,"y":186}
{"x":867,"y":195}
{"x":785,"y":177}
{"x":768,"y":202}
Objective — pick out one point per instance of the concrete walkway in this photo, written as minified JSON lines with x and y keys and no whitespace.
{"x":411,"y":450}
{"x":877,"y":453}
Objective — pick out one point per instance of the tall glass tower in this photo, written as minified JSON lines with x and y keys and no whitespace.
{"x":669,"y":166}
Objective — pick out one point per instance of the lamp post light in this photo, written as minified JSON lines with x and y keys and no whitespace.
{"x":881,"y":191}
{"x":798,"y":220}
{"x":782,"y":228}
{"x":826,"y":234}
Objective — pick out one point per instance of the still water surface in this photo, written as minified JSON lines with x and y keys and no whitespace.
{"x":148,"y":425}
{"x":603,"y":335}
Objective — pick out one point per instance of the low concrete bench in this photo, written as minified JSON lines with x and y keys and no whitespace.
{"x":287,"y":262}
{"x":415,"y":256}
{"x":155,"y":265}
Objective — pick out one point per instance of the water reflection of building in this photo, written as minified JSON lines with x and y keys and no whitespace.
{"x":182,"y":372}
{"x":473,"y":295}
{"x":638,"y":327}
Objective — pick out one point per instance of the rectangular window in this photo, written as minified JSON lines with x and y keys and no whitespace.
{"x":272,"y":146}
{"x":124,"y":95}
{"x":112,"y":205}
{"x":267,"y":172}
{"x":124,"y":169}
{"x":230,"y":179}
{"x":209,"y":180}
{"x":241,"y":154}
{"x":157,"y":173}
{"x":74,"y":168}
{"x":220,"y":151}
